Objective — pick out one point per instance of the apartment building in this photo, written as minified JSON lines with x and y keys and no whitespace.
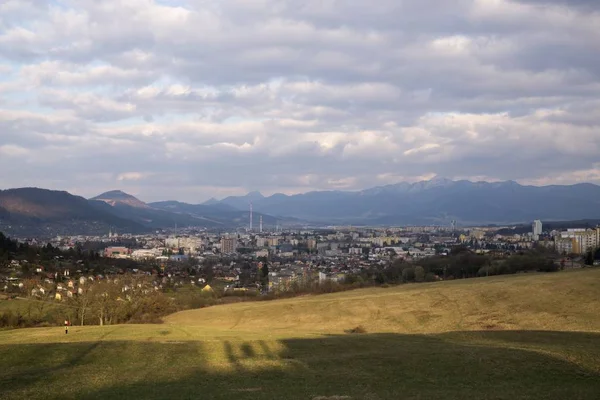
{"x":228,"y":245}
{"x":582,"y":240}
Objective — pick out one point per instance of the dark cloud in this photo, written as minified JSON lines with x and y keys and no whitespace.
{"x":219,"y":97}
{"x":586,"y":5}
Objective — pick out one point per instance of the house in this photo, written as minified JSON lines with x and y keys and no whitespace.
{"x":179,"y":257}
{"x":116,"y":252}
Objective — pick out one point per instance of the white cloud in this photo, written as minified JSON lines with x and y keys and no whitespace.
{"x":9,"y":150}
{"x":132,"y":176}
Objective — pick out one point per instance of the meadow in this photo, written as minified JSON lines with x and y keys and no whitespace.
{"x":527,"y":336}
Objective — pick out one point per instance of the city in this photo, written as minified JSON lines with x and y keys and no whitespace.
{"x":298,"y":258}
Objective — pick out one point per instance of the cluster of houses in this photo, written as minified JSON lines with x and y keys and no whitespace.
{"x":294,"y":257}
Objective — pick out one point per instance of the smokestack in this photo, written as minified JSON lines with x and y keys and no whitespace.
{"x":260,"y":228}
{"x":250,"y":216}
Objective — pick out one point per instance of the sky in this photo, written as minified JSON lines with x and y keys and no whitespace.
{"x":192,"y":99}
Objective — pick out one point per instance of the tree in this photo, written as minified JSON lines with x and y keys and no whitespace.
{"x":105,"y":302}
{"x":208,"y":272}
{"x":589,"y":258}
{"x":456,"y":250}
{"x":264,"y":276}
{"x":419,"y":274}
{"x":82,"y":303}
{"x":408,"y":274}
{"x":247,"y":276}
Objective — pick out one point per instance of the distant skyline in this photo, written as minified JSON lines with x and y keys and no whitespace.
{"x":192,"y":99}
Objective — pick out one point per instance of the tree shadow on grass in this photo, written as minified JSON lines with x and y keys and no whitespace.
{"x":491,"y":365}
{"x":45,"y":359}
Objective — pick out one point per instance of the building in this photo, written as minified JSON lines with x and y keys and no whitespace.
{"x":583,"y":240}
{"x":537,"y":229}
{"x":172,"y":243}
{"x":477,"y":234}
{"x":586,"y":241}
{"x":262,"y":253}
{"x":116,"y":252}
{"x":228,"y":245}
{"x":564,"y":245}
{"x":273,"y":241}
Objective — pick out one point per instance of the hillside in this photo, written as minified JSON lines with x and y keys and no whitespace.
{"x":152,"y":218}
{"x":438,"y":201}
{"x":503,"y":302}
{"x":116,"y":197}
{"x":220,"y":212}
{"x":46,"y":213}
{"x":532,"y":336}
{"x":34,"y":211}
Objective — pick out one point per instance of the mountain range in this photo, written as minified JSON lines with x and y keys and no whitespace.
{"x":42,"y":212}
{"x":39,"y":212}
{"x":437,"y":201}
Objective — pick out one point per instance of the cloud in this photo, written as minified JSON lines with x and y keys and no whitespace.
{"x":586,"y":5}
{"x":208,"y":98}
{"x":9,"y":150}
{"x":132,"y":176}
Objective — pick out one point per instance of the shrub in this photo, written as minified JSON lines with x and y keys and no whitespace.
{"x":431,"y":277}
{"x":408,"y":275}
{"x":549,"y":266}
{"x":419,"y":274}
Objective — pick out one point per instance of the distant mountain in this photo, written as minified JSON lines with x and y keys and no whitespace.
{"x":243,"y":202}
{"x":46,"y":213}
{"x":170,"y":214}
{"x":126,"y":206}
{"x":116,"y":197}
{"x":437,"y":201}
{"x":210,"y":202}
{"x":220,"y":212}
{"x":40,"y":212}
{"x":33,"y":211}
{"x":203,"y":208}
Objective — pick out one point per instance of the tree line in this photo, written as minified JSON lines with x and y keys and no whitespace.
{"x":461,"y":263}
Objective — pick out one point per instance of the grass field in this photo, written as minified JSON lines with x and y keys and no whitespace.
{"x":533,"y":336}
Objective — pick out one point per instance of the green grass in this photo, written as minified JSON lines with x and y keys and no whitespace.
{"x":519,"y":337}
{"x":33,"y":309}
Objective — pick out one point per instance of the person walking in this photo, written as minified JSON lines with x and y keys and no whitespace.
{"x":67,"y":323}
